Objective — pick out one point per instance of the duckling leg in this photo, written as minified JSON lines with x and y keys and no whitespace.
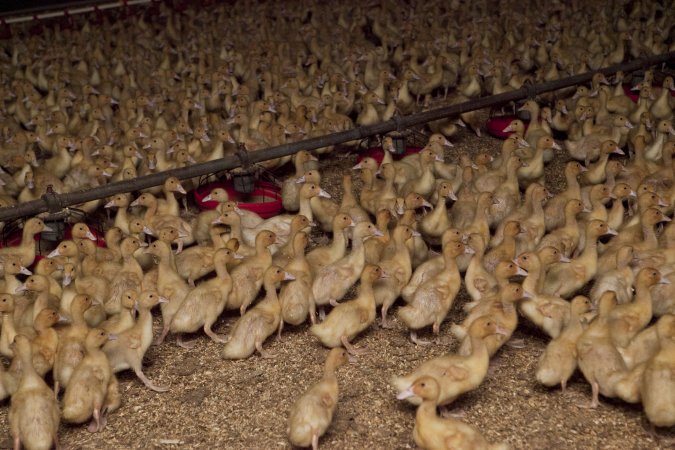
{"x":185,"y":344}
{"x":385,"y":323}
{"x":315,"y":440}
{"x":139,"y":373}
{"x":281,"y":327}
{"x":322,"y":313}
{"x":165,"y":332}
{"x":264,"y":353}
{"x":95,"y":424}
{"x":17,"y":443}
{"x":333,"y":302}
{"x":312,"y":312}
{"x":595,"y":392}
{"x":418,"y":341}
{"x":350,"y":348}
{"x":213,"y":335}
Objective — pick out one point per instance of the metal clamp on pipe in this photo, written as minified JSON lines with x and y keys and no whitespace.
{"x":52,"y":200}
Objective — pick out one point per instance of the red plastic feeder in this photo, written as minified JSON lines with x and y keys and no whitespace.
{"x":265,"y":200}
{"x":378,"y":154}
{"x":495,"y":126}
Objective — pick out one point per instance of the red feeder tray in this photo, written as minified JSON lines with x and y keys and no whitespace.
{"x":495,"y":126}
{"x":265,"y":200}
{"x":378,"y":154}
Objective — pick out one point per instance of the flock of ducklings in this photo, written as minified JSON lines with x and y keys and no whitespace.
{"x":80,"y":107}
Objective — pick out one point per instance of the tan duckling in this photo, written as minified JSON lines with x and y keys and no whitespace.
{"x":34,"y":412}
{"x":347,"y":320}
{"x":204,"y":304}
{"x":12,"y":267}
{"x":437,"y":221}
{"x":349,"y":204}
{"x":477,"y":279}
{"x":297,"y":300}
{"x":46,"y":342}
{"x":398,"y":267}
{"x":333,"y":281}
{"x":433,"y":432}
{"x":156,"y":222}
{"x":93,"y":391}
{"x":251,"y":330}
{"x":39,"y":285}
{"x":321,"y":256}
{"x":290,"y":188}
{"x":123,"y":320}
{"x":121,"y":202}
{"x":312,"y":413}
{"x":433,"y":299}
{"x":287,"y":251}
{"x":80,"y":231}
{"x":564,"y":279}
{"x":596,"y":171}
{"x":376,"y":245}
{"x":657,"y":389}
{"x":534,"y":170}
{"x":170,"y":285}
{"x":628,"y":319}
{"x":597,"y":357}
{"x":129,"y":276}
{"x":324,"y":208}
{"x":127,"y":351}
{"x":618,"y":279}
{"x":169,"y":205}
{"x":424,"y":184}
{"x":52,"y":270}
{"x":456,"y":374}
{"x":247,"y":277}
{"x":559,"y":360}
{"x":554,"y":210}
{"x":506,"y":250}
{"x":565,"y":238}
{"x":71,"y":343}
{"x":431,"y":266}
{"x":27,"y":250}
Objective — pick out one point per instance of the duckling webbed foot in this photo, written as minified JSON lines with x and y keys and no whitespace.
{"x":163,"y":334}
{"x":384,"y":323}
{"x":185,"y":344}
{"x":221,"y":339}
{"x":148,"y":383}
{"x":95,"y":424}
{"x":595,"y":402}
{"x":418,"y":341}
{"x":350,"y":348}
{"x":516,"y":343}
{"x":264,"y":353}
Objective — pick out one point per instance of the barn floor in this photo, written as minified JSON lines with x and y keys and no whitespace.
{"x":214,"y":403}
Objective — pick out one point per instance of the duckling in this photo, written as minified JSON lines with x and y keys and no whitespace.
{"x":596,"y":171}
{"x":349,"y":204}
{"x":94,"y":390}
{"x":433,"y":299}
{"x":123,"y":320}
{"x":424,"y":184}
{"x":169,"y":205}
{"x":626,"y":320}
{"x":534,"y":170}
{"x":333,"y":281}
{"x":27,"y":250}
{"x":323,"y":206}
{"x":321,"y":256}
{"x":296,"y":296}
{"x":129,"y":276}
{"x":457,"y":374}
{"x":247,"y":277}
{"x":45,"y":343}
{"x":506,"y":250}
{"x":347,"y":320}
{"x":12,"y":267}
{"x":554,"y":210}
{"x":290,"y":188}
{"x":251,"y":330}
{"x":34,"y":412}
{"x":657,"y":390}
{"x":597,"y":358}
{"x":564,"y":279}
{"x":127,"y":351}
{"x":398,"y":267}
{"x":70,"y":350}
{"x":433,"y":432}
{"x":170,"y":285}
{"x":312,"y":413}
{"x":437,"y":221}
{"x":565,"y":238}
{"x":559,"y":360}
{"x":477,"y":277}
{"x":287,"y":251}
{"x":618,"y":279}
{"x":204,"y":304}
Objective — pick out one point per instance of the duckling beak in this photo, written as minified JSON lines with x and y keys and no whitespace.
{"x":523,"y":143}
{"x":181,"y":189}
{"x":312,"y":224}
{"x":324,"y":194}
{"x":384,"y":274}
{"x":439,"y":159}
{"x":447,"y":143}
{"x":664,"y":280}
{"x":468,"y":250}
{"x":288,"y":276}
{"x":509,"y":127}
{"x":415,"y":233}
{"x":110,"y":204}
{"x":25,"y":271}
{"x":405,"y":394}
{"x":618,"y":151}
{"x":556,"y":146}
{"x":452,"y":196}
{"x":207,"y":198}
{"x":63,"y":319}
{"x":238,"y":210}
{"x":142,"y":244}
{"x":163,"y":300}
{"x":217,"y":221}
{"x":90,"y":236}
{"x":301,"y":179}
{"x":527,"y":294}
{"x":501,"y":331}
{"x":426,"y":204}
{"x":238,"y":256}
{"x":67,"y":279}
{"x":147,"y":230}
{"x":112,"y":337}
{"x":139,"y":155}
{"x":21,"y":288}
{"x":378,"y":232}
{"x":564,"y":259}
{"x":54,"y":253}
{"x":521,"y":272}
{"x":134,"y":203}
{"x":612,"y":231}
{"x":356,"y":167}
{"x":47,"y":228}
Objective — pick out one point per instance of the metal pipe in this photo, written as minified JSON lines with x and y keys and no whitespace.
{"x":70,"y":11}
{"x":55,"y":202}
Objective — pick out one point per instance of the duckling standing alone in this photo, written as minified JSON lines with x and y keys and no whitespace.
{"x":93,"y":390}
{"x":312,"y":413}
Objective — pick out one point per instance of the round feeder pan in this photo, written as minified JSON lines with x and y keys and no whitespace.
{"x":495,"y":126}
{"x":378,"y":154}
{"x":264,"y":200}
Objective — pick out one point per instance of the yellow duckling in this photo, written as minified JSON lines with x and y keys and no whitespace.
{"x":435,"y":433}
{"x":251,"y":330}
{"x":71,"y":343}
{"x":169,"y":205}
{"x":321,"y":256}
{"x":204,"y":304}
{"x":34,"y":412}
{"x":312,"y":413}
{"x":297,"y":300}
{"x":433,"y":299}
{"x":27,"y":250}
{"x":127,"y":351}
{"x":247,"y":277}
{"x":456,"y":374}
{"x":349,"y":319}
{"x":93,"y":390}
{"x":125,"y":318}
{"x":657,"y":389}
{"x":290,"y":188}
{"x":559,"y":360}
{"x":437,"y":221}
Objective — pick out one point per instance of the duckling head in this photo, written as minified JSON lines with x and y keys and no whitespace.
{"x":425,"y":387}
